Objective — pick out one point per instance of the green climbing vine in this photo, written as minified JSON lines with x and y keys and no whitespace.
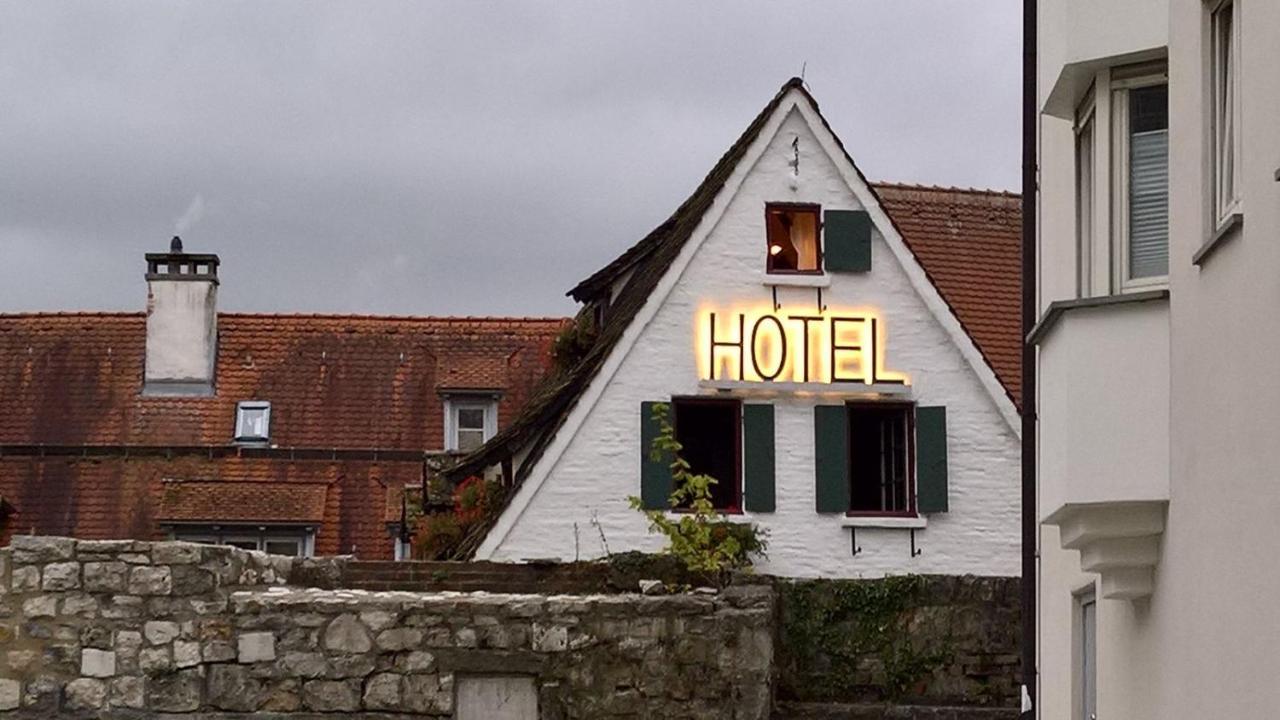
{"x":847,"y":639}
{"x":709,"y":546}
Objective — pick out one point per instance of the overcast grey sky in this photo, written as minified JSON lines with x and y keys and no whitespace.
{"x":443,"y":158}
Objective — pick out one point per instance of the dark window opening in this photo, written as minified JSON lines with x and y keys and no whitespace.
{"x":792,"y":239}
{"x":881,"y":457}
{"x":709,"y":431}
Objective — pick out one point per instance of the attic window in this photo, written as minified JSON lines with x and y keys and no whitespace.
{"x":792,"y":239}
{"x":253,"y":421}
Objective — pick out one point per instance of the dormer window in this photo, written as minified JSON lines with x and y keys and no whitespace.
{"x":469,"y":421}
{"x":792,"y":244}
{"x":253,"y":421}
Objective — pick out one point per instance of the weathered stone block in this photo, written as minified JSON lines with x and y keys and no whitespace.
{"x":26,"y":578}
{"x":105,"y":576}
{"x":350,"y":666}
{"x":416,"y":661}
{"x":176,"y":692}
{"x":159,"y":632}
{"x":346,"y":634}
{"x":128,"y":692}
{"x":426,"y":694}
{"x":186,"y":653}
{"x":10,"y":692}
{"x":217,"y":651}
{"x":156,"y":660}
{"x":96,"y":636}
{"x":21,"y":660}
{"x":256,"y":647}
{"x":550,"y":638}
{"x":35,"y":549}
{"x":60,"y":576}
{"x":123,"y":607}
{"x":85,"y":694}
{"x":382,"y":692}
{"x":192,"y":580}
{"x":40,"y":606}
{"x":97,"y":663}
{"x":397,"y":639}
{"x":308,"y":665}
{"x":80,"y":605}
{"x":231,"y":687}
{"x":377,"y":620}
{"x":175,"y":553}
{"x":331,"y":695}
{"x":145,"y":580}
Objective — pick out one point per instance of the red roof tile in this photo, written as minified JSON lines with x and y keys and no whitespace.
{"x":204,"y":501}
{"x":333,"y":381}
{"x":969,"y":243}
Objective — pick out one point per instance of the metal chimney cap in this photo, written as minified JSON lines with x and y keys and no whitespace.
{"x":175,"y":245}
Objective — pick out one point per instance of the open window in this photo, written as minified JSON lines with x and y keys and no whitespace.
{"x":792,"y":240}
{"x":710,"y":431}
{"x":881,"y":457}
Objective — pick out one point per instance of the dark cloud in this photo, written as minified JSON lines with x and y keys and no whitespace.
{"x":443,"y":158}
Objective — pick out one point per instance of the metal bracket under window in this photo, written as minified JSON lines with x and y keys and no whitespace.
{"x":853,"y":541}
{"x":915,"y":552}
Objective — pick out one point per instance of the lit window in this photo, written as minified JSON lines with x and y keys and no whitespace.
{"x":253,"y":421}
{"x":792,"y":239}
{"x":1225,"y":80}
{"x":469,"y":422}
{"x":881,"y":437}
{"x":709,"y":431}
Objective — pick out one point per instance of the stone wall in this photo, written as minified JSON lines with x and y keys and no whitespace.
{"x":132,"y":629}
{"x":906,"y":640}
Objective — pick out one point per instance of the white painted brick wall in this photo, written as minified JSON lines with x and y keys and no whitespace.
{"x":601,"y":466}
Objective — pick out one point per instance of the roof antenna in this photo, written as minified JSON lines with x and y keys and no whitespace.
{"x":803,"y":66}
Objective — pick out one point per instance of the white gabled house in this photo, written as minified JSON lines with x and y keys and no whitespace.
{"x":841,"y":356}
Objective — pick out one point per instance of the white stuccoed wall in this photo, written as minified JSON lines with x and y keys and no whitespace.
{"x":599,"y":468}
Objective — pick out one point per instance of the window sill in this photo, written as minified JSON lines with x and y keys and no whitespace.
{"x":1230,"y":228}
{"x":730,"y":516}
{"x":813,"y":280}
{"x":878,"y":521}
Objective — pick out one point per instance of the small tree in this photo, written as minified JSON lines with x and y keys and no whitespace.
{"x":700,"y":537}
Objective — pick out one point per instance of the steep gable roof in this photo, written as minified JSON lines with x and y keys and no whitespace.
{"x":649,"y":259}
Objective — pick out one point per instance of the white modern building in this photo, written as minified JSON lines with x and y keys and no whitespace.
{"x":842,"y":356}
{"x":1158,"y":283}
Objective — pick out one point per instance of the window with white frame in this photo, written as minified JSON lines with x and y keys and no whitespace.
{"x":253,"y":421}
{"x":291,"y":541}
{"x":1122,"y":181}
{"x":1225,"y":122}
{"x":1140,"y":107}
{"x":469,"y":422}
{"x":1084,"y":195}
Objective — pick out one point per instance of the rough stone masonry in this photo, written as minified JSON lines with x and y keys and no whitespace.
{"x":135,"y":629}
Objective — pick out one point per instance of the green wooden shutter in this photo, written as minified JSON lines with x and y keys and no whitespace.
{"x":931,"y":459}
{"x":758,"y":458}
{"x":846,"y":240}
{"x":655,"y":475}
{"x":831,"y":457}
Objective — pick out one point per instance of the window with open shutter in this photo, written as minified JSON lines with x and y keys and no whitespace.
{"x":655,"y":472}
{"x":931,"y":459}
{"x":847,"y":240}
{"x":831,"y":458}
{"x":758,"y":462}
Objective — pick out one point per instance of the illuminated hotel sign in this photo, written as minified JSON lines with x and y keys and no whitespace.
{"x":769,"y":346}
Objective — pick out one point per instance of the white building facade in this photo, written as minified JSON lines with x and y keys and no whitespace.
{"x":1158,"y":218}
{"x":812,"y":364}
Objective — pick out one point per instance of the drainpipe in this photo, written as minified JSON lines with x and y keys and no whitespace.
{"x":1029,"y":524}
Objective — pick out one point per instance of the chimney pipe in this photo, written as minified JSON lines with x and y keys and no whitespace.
{"x":182,"y":322}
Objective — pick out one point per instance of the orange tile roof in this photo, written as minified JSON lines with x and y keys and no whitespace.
{"x":214,"y":501}
{"x":333,"y":381}
{"x":969,"y":243}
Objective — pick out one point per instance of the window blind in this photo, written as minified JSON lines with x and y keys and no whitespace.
{"x":1149,"y":183}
